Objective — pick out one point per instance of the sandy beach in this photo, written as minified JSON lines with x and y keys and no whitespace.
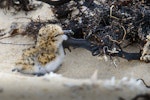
{"x":81,"y":76}
{"x":73,"y":79}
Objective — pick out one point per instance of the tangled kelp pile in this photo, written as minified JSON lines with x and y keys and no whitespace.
{"x":108,"y":24}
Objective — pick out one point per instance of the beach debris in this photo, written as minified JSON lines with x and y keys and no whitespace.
{"x":108,"y":24}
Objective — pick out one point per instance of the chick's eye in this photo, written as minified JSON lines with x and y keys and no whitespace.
{"x":40,"y":35}
{"x":57,"y":35}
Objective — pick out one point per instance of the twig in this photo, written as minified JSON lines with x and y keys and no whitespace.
{"x":125,"y":32}
{"x":116,"y":40}
{"x":111,"y":13}
{"x":15,"y":43}
{"x":144,"y":83}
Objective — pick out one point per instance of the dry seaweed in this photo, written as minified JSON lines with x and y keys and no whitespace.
{"x":108,"y":24}
{"x":17,"y":5}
